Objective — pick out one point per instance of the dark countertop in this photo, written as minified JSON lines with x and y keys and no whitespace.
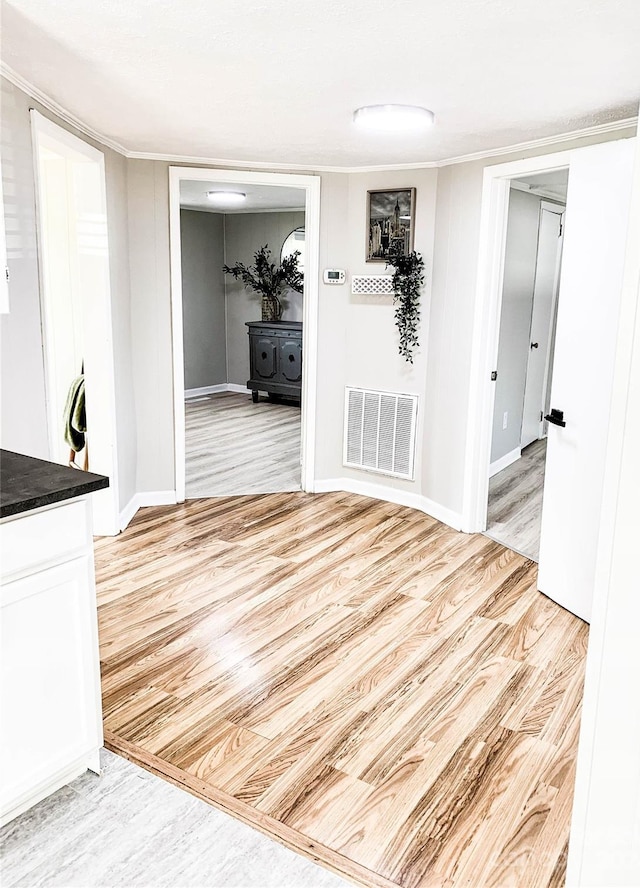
{"x":27,"y":483}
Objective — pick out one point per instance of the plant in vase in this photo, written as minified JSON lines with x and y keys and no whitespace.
{"x":407,"y":282}
{"x":269,"y":280}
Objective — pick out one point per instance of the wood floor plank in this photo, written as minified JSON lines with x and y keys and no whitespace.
{"x":511,"y":859}
{"x":512,"y":815}
{"x":515,"y":501}
{"x":235,"y":446}
{"x":369,"y":686}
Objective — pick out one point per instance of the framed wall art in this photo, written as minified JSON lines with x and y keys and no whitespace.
{"x":390,"y":218}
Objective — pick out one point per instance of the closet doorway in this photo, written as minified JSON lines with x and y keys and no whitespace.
{"x":76,"y":303}
{"x":528,"y":313}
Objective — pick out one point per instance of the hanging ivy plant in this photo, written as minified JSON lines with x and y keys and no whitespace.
{"x":408,"y":280}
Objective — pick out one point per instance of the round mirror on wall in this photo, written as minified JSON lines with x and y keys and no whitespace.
{"x":293,"y":242}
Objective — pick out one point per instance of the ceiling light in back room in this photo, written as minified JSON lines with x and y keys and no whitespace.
{"x":226,"y":198}
{"x":393,"y":118}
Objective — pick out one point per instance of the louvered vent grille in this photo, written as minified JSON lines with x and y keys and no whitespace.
{"x":380,"y":431}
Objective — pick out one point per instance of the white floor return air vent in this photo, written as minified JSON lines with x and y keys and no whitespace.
{"x":380,"y":431}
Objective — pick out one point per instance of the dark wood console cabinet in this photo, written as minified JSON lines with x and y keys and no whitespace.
{"x":275,"y":358}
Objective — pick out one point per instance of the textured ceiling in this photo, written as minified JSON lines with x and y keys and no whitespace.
{"x":553,"y":184}
{"x":277,"y":80}
{"x":193,"y":195}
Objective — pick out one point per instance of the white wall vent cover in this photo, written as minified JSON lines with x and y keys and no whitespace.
{"x":375,"y":284}
{"x":380,"y":431}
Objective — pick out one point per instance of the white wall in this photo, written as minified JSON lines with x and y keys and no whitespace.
{"x":457,"y":230}
{"x":148,"y":200}
{"x":515,"y":320}
{"x":24,"y":422}
{"x":333,"y":333}
{"x":203,"y":299}
{"x":371,"y":358}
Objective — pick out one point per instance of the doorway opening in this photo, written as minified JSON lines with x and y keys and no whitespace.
{"x":593,"y":255}
{"x":244,"y":383}
{"x":528,"y":315}
{"x":76,"y":307}
{"x":243,"y":376}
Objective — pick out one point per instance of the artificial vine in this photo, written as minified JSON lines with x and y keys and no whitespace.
{"x":408,"y":280}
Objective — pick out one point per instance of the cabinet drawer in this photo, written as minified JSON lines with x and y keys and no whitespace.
{"x":278,"y":334}
{"x":37,"y":538}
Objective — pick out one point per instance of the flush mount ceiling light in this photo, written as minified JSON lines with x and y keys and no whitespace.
{"x":227,"y":198}
{"x":393,"y":118}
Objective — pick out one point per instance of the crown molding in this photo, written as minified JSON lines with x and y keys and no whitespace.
{"x":228,"y":163}
{"x":600,"y":129}
{"x":51,"y":105}
{"x":629,"y":124}
{"x":310,"y":169}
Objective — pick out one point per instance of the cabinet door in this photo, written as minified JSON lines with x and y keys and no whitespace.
{"x":291,"y":360}
{"x":264,"y":354}
{"x":49,"y":677}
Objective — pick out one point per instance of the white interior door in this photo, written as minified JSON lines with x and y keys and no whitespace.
{"x":544,"y":296}
{"x":598,"y":203}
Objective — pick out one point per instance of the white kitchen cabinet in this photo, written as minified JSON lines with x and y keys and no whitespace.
{"x":50,"y":706}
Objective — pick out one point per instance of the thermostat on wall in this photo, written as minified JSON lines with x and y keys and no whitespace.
{"x":333,"y":276}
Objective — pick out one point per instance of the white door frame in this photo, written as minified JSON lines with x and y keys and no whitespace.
{"x":311,"y":186}
{"x":486,"y":327}
{"x":98,"y":339}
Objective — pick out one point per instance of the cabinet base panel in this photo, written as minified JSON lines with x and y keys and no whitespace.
{"x":292,"y":393}
{"x":18,"y":806}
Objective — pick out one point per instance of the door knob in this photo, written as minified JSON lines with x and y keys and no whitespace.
{"x":556,"y":417}
{"x":534,"y":345}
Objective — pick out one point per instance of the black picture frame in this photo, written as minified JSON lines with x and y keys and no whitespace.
{"x":390,"y":223}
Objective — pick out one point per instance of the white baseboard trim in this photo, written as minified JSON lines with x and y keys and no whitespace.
{"x":145,"y":498}
{"x":504,"y":461}
{"x":128,"y":513}
{"x":392,"y":495}
{"x":327,"y":485}
{"x":441,"y":513}
{"x":204,"y":390}
{"x":157,"y":498}
{"x":213,"y":389}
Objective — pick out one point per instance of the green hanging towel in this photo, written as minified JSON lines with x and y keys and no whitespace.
{"x":75,"y":416}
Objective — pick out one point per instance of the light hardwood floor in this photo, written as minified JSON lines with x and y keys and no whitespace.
{"x":234,"y":446}
{"x":377,"y":691}
{"x":515,"y":502}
